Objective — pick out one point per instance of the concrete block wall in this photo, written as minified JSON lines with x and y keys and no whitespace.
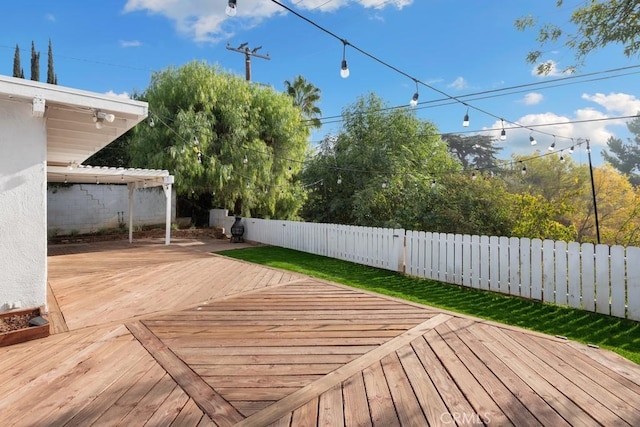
{"x":220,"y":218}
{"x":87,"y":208}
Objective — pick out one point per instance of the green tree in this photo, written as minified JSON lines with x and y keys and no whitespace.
{"x":51,"y":75}
{"x":599,"y":23}
{"x":35,"y":63}
{"x":626,"y":157}
{"x":17,"y":67}
{"x":371,"y":173}
{"x":305,"y":96}
{"x":241,"y":145}
{"x":475,"y":151}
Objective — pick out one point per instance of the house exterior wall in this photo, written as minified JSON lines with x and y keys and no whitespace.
{"x":23,"y":220}
{"x":87,"y":208}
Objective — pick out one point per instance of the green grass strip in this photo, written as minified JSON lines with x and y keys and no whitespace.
{"x":619,"y":335}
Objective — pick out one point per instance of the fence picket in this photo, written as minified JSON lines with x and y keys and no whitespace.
{"x":514,"y":266}
{"x":422,"y":245}
{"x":484,"y":262}
{"x":561,"y":273}
{"x":633,"y":283}
{"x":603,"y":296}
{"x":617,"y":281}
{"x":573,"y":270}
{"x":475,"y":261}
{"x":494,"y":263}
{"x":465,"y":264}
{"x":503,"y":250}
{"x":588,"y":277}
{"x":525,"y":267}
{"x":548,"y":271}
{"x":536,"y":269}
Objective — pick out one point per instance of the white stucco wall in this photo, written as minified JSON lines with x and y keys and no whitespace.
{"x":87,"y":208}
{"x":220,"y":218}
{"x":23,"y":237}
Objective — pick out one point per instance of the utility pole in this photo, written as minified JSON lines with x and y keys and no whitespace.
{"x":248,"y":53}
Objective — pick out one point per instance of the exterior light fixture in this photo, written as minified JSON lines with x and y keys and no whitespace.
{"x":571,"y":150}
{"x":245,"y":160}
{"x":524,"y":170}
{"x":561,"y":157}
{"x":433,"y":183}
{"x":231,"y":8}
{"x":384,"y":184}
{"x":99,"y":117}
{"x":344,"y":68}
{"x":465,"y":121}
{"x":532,"y":140}
{"x":503,"y":133}
{"x":339,"y":181}
{"x":414,"y":99}
{"x":553,"y":144}
{"x":151,"y":122}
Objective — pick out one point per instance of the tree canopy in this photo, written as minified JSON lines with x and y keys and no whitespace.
{"x":240,"y":144}
{"x":625,"y":157}
{"x":598,"y":24}
{"x":306,"y":96}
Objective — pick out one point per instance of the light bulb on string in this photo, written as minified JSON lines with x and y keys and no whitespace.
{"x":473,"y":175}
{"x":414,"y":99}
{"x":231,"y":8}
{"x":524,"y":169}
{"x":433,"y":183}
{"x":571,"y":150}
{"x":465,"y":121}
{"x":339,"y":181}
{"x":195,"y":140}
{"x":344,"y":68}
{"x":65,"y":179}
{"x":553,"y":144}
{"x":245,"y":160}
{"x":562,"y":156}
{"x":384,"y":184}
{"x":503,"y":133}
{"x":151,"y":122}
{"x":532,"y":140}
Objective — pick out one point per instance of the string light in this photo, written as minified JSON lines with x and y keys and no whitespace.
{"x":553,"y":144}
{"x":245,"y":160}
{"x":503,"y":133}
{"x":339,"y":181}
{"x":561,"y":156}
{"x":465,"y":121}
{"x":571,"y":150}
{"x":532,"y":140}
{"x":151,"y":122}
{"x":433,"y":183}
{"x":414,"y":99}
{"x":195,"y":140}
{"x":65,"y":179}
{"x":344,"y":68}
{"x":231,"y":9}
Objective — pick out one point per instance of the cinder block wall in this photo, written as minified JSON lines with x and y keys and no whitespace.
{"x":88,"y":208}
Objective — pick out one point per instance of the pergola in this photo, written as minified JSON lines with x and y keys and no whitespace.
{"x":79,"y":124}
{"x":133,"y":178}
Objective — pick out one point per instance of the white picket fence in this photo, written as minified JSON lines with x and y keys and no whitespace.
{"x":596,"y":278}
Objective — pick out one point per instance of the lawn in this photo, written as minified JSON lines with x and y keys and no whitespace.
{"x":619,"y":335}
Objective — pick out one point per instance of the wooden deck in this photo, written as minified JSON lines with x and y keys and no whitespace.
{"x":146,"y":334}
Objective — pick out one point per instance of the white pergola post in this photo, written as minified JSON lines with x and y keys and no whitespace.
{"x":168,"y":181}
{"x":131,"y":187}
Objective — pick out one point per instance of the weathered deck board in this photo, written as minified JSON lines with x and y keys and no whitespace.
{"x":223,"y":342}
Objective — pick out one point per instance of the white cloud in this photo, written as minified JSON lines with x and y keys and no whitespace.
{"x":118,"y":95}
{"x":621,"y":104}
{"x":533,"y":98}
{"x":459,"y":84}
{"x":204,"y":21}
{"x":50,"y":17}
{"x":130,"y":43}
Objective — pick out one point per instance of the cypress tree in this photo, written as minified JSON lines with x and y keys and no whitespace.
{"x":17,"y":70}
{"x":51,"y":75}
{"x":35,"y":63}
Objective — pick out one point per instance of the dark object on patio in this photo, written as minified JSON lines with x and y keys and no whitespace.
{"x":38,"y":321}
{"x":237,"y":230}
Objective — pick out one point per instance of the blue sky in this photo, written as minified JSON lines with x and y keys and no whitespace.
{"x":456,"y":46}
